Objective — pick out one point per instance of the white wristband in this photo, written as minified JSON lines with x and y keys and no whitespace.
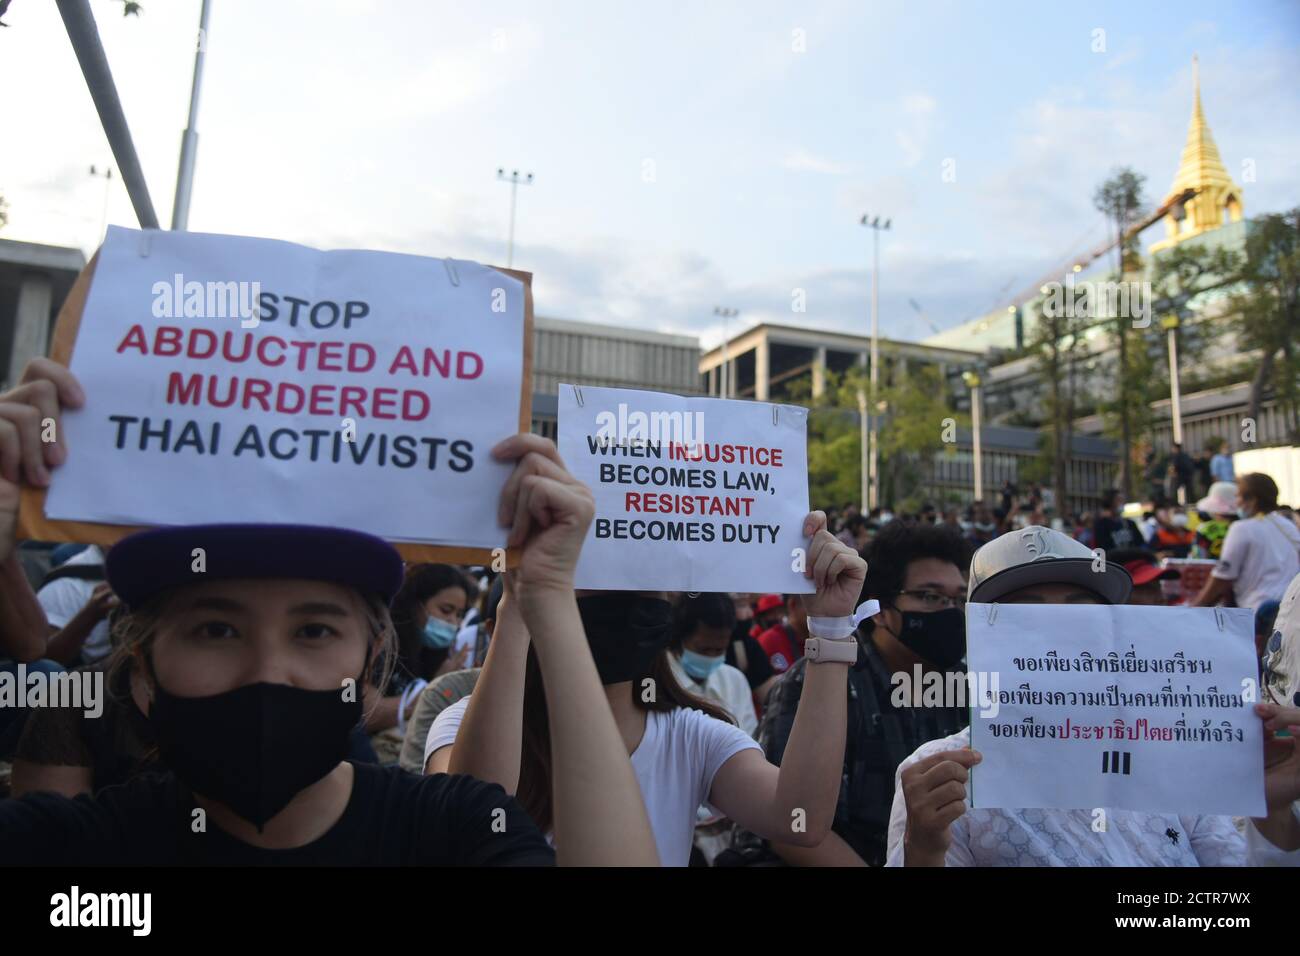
{"x":841,"y":628}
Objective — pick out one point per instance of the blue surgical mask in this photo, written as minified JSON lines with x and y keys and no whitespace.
{"x":1243,"y":513}
{"x":438,"y":633}
{"x":699,"y":666}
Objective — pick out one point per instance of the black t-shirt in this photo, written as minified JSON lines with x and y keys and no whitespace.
{"x":757,"y":667}
{"x":1115,"y":533}
{"x":392,"y":818}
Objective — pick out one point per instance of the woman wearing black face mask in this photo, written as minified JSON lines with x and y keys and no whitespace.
{"x":682,"y":753}
{"x":251,"y":674}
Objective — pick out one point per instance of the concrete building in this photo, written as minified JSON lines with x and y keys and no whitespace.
{"x":34,"y":281}
{"x":584,"y":353}
{"x":761,"y":362}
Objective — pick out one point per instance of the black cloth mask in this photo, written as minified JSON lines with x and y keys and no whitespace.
{"x":257,"y":746}
{"x":625,"y":632}
{"x":936,"y":636}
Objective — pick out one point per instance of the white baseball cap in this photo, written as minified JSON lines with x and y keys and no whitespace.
{"x":1038,"y":555}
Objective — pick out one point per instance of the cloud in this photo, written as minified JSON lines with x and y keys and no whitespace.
{"x":919,"y":104}
{"x":800,"y":160}
{"x":913,"y":134}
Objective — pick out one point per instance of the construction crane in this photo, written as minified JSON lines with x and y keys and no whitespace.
{"x":1078,"y":265}
{"x":921,"y":312}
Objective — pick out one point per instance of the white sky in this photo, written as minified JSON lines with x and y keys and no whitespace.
{"x":380,"y":124}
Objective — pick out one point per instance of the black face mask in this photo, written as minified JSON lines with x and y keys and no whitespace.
{"x":257,"y":746}
{"x":625,"y":632}
{"x":936,"y":636}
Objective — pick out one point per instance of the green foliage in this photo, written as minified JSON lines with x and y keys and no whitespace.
{"x":911,"y":433}
{"x":1268,"y":311}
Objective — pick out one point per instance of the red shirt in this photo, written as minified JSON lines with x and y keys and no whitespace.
{"x":782,"y":647}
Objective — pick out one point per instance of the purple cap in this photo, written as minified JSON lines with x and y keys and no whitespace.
{"x":150,"y":562}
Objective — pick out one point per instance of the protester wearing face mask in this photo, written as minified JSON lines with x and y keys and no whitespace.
{"x":426,"y":615}
{"x":683,"y":750}
{"x":1261,"y":551}
{"x":917,"y":574}
{"x":747,"y":655}
{"x":932,"y":823}
{"x":249,"y":673}
{"x":783,"y":642}
{"x":768,"y":613}
{"x":1218,"y":509}
{"x":702,"y":629}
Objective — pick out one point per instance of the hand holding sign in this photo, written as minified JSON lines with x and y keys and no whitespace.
{"x":548,"y":512}
{"x":1281,"y":759}
{"x":30,"y":414}
{"x":836,"y":569}
{"x":935,"y":790}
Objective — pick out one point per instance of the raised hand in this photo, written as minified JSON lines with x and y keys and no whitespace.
{"x":935,"y":791}
{"x":548,"y":512}
{"x":835,"y":568}
{"x":31,"y":436}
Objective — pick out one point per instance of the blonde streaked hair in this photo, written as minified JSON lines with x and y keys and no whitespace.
{"x":134,"y":632}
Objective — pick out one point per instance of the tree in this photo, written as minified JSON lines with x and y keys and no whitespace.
{"x":834,"y":445}
{"x":917,"y":416}
{"x":1055,"y":344}
{"x":911,"y":433}
{"x":1269,"y":312}
{"x":1120,"y":198}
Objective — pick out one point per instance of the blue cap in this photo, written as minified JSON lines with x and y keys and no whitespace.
{"x":149,"y":562}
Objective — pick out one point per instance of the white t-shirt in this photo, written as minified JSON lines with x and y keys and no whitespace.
{"x":1027,"y":837}
{"x":675,"y":763}
{"x":1260,"y":556}
{"x":726,"y":686}
{"x":64,"y":598}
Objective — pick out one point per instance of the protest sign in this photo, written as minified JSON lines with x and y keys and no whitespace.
{"x":236,"y":379}
{"x":1129,"y":707}
{"x":692,"y":494}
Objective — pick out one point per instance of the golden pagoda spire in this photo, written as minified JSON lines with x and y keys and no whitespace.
{"x":1214,"y":198}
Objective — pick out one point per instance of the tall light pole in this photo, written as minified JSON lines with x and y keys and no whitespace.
{"x":108,"y":185}
{"x":972,"y":381}
{"x":873,"y":461}
{"x":727,"y":315}
{"x":190,"y":138}
{"x":862,"y":448}
{"x":1170,"y":324}
{"x":514,"y":180}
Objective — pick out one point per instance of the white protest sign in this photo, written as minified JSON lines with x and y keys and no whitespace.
{"x":692,"y":494}
{"x":1128,"y":707}
{"x":250,"y":380}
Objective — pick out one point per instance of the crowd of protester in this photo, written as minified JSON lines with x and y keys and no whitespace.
{"x":507,"y":718}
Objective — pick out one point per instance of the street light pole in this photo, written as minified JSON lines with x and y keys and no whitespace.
{"x":727,"y":315}
{"x":190,"y":138}
{"x":863,"y":437}
{"x":1170,"y":324}
{"x":972,"y":381}
{"x":873,"y":463}
{"x":514,"y":181}
{"x":108,"y":184}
